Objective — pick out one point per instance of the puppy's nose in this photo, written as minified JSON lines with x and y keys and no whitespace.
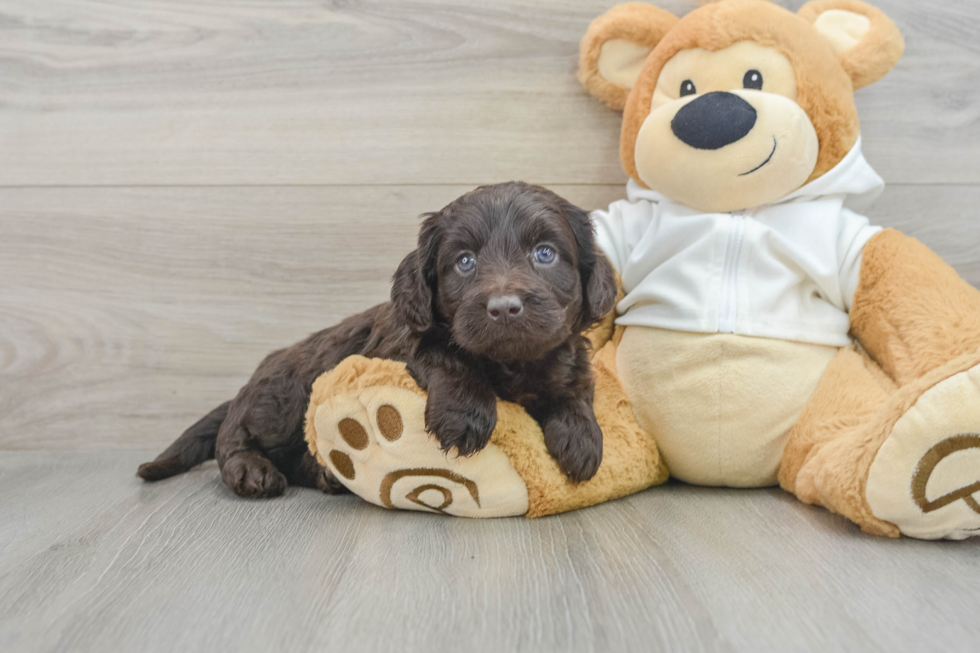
{"x":714,"y":120}
{"x":505,"y":309}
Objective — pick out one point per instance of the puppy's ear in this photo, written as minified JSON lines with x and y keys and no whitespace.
{"x":601,"y":292}
{"x":414,"y":284}
{"x":598,"y":279}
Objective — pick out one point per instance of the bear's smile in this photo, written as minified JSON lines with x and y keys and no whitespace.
{"x":768,"y":159}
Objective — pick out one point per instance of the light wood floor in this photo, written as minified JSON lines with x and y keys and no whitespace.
{"x":187,"y":184}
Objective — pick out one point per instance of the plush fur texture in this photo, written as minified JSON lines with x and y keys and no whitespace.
{"x":912,"y":312}
{"x":708,"y":399}
{"x":825,"y":79}
{"x":849,"y":417}
{"x":917,"y":323}
{"x":832,"y":432}
{"x":877,"y":52}
{"x":921,"y":324}
{"x":824,"y":89}
{"x":833,"y":444}
{"x":637,"y":22}
{"x":630,"y":460}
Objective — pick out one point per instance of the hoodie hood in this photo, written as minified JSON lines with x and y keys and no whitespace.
{"x":853,"y":178}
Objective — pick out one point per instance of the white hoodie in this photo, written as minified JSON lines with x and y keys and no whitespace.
{"x":784,"y":270}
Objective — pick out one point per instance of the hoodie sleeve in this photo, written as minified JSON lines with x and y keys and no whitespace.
{"x":619,"y":228}
{"x":854,"y":234}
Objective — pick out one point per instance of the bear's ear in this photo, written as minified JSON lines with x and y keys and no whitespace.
{"x":616,"y":46}
{"x":867,"y":42}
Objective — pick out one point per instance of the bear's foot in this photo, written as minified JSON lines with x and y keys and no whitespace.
{"x":366,"y":424}
{"x":372,"y":436}
{"x":925,"y":478}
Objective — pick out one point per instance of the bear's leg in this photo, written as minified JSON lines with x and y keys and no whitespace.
{"x":912,"y":313}
{"x":365,"y":423}
{"x":830,"y":440}
{"x":892,"y":459}
{"x":897,"y":448}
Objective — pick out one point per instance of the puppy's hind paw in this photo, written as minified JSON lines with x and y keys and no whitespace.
{"x":253,"y":476}
{"x":328,"y":483}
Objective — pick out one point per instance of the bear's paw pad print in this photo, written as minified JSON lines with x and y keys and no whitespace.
{"x":375,"y":443}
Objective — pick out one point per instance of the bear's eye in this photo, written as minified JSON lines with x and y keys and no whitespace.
{"x":752,"y":79}
{"x":687,"y":88}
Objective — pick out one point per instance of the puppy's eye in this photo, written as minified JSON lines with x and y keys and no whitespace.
{"x":466,"y":263}
{"x":687,"y":88}
{"x":752,"y":79}
{"x":545,"y":255}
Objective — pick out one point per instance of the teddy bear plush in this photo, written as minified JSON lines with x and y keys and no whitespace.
{"x":766,"y":332}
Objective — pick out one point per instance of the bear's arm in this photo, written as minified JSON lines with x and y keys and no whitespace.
{"x":619,"y":228}
{"x":855,"y":232}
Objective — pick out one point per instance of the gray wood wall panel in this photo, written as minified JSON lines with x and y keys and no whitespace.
{"x":304,"y":92}
{"x":129,"y":312}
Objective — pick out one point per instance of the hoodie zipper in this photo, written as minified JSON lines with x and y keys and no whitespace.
{"x":728,"y":310}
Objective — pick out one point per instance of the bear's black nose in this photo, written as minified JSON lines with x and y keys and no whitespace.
{"x":714,"y":120}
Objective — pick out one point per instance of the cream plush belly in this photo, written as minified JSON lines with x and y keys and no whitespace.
{"x":720,"y":406}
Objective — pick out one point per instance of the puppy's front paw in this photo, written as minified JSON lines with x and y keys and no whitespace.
{"x":575,"y":442}
{"x":464,"y":426}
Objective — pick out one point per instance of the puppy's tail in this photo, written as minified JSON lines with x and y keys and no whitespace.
{"x":193,"y":447}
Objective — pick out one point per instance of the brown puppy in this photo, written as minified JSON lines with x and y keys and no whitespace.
{"x":491,"y":304}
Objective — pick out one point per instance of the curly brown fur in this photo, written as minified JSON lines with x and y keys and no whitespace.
{"x":509,"y":326}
